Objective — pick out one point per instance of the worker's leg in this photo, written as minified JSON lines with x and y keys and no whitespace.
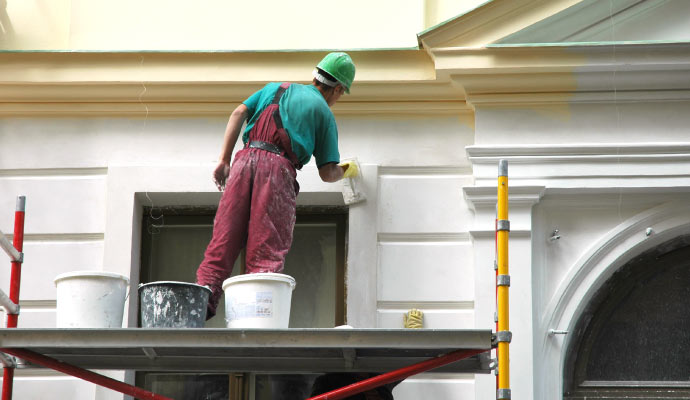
{"x":229,"y":229}
{"x":272,"y":215}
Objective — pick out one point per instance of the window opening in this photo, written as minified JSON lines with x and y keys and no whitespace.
{"x":632,"y":340}
{"x":173,"y":244}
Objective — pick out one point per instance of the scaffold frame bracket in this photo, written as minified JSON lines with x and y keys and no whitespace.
{"x":502,"y":337}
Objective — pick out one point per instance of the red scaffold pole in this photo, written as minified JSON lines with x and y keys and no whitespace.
{"x":84,"y":374}
{"x":15,"y":279}
{"x":16,"y":274}
{"x":396,"y":375}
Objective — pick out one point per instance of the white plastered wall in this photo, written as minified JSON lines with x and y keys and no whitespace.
{"x":87,"y":180}
{"x":600,"y":173}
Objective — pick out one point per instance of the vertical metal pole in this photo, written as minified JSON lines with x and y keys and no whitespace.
{"x":503,"y":284}
{"x":496,"y":283}
{"x":15,"y":279}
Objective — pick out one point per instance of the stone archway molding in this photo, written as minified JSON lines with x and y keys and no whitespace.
{"x":627,"y":240}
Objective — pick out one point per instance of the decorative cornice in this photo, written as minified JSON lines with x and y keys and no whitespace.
{"x":192,"y":108}
{"x":388,"y":82}
{"x":640,"y":168}
{"x":575,"y":22}
{"x":210,"y":67}
{"x":490,"y":22}
{"x":535,"y":153}
{"x":207,"y":83}
{"x":486,"y":196}
{"x":605,"y":72}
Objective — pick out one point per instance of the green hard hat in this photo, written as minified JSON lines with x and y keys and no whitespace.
{"x":340,"y":66}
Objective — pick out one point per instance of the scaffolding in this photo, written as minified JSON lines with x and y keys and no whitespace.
{"x":393,"y":353}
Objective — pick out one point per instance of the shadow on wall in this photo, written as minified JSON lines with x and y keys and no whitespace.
{"x":6,"y":30}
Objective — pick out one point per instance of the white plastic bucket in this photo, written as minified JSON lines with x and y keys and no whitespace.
{"x":90,"y":299}
{"x":258,"y":300}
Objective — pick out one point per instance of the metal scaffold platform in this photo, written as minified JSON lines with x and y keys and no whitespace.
{"x":249,"y":350}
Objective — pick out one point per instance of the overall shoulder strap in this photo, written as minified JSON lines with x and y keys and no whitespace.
{"x":283,"y":87}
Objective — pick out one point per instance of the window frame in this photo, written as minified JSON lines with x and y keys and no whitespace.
{"x":239,"y":383}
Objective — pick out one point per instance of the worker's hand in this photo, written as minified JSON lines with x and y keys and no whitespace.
{"x":350,"y":169}
{"x":220,"y":175}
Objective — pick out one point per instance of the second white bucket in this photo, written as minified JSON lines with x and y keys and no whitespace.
{"x":258,"y":300}
{"x":90,"y":299}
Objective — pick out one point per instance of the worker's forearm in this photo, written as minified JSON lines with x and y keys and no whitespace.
{"x":331,"y":172}
{"x":232,"y":132}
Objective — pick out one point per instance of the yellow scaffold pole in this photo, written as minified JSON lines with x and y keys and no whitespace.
{"x":503,"y":334}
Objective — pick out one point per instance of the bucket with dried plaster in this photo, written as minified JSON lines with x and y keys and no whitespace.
{"x":170,"y":304}
{"x":259,"y":300}
{"x":90,"y":299}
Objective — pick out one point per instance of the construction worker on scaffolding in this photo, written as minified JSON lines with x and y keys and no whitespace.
{"x":286,"y":125}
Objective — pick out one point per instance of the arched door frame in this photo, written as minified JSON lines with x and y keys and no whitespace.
{"x":627,"y":240}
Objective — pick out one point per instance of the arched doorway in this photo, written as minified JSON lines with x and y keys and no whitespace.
{"x":633,"y":338}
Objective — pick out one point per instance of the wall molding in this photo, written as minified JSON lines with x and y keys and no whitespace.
{"x":590,"y":151}
{"x":53,"y":172}
{"x":189,"y":108}
{"x":432,"y":305}
{"x":405,"y":171}
{"x":584,"y":97}
{"x":421,"y":237}
{"x":60,"y":237}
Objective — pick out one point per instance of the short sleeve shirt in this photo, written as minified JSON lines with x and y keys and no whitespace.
{"x":308,"y":120}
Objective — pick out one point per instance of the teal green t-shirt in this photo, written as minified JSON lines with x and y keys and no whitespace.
{"x":306,"y":117}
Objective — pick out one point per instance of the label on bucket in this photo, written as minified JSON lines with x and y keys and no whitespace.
{"x":252,"y":305}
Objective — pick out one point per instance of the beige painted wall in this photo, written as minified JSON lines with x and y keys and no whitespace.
{"x":220,"y":25}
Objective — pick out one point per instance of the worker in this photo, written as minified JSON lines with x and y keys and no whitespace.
{"x":286,"y":125}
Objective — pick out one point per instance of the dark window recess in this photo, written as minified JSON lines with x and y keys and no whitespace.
{"x":633,"y":340}
{"x":283,"y":387}
{"x":189,"y":386}
{"x":173,"y":245}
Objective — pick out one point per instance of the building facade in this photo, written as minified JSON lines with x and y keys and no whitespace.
{"x":107,"y":129}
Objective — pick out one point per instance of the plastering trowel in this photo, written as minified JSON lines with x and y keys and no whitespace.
{"x":353,"y":187}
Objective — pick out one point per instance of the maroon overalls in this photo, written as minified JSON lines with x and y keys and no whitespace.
{"x":257,"y":209}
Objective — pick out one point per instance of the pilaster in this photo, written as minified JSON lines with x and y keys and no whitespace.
{"x":521,"y":199}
